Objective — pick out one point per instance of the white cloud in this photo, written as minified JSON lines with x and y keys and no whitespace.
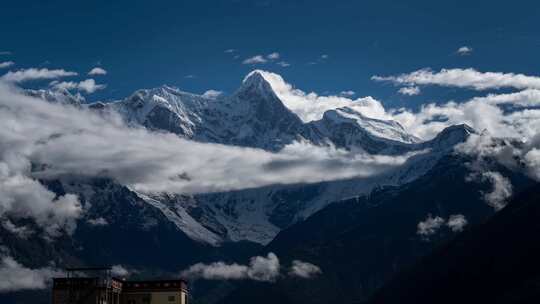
{"x":411,"y":91}
{"x":273,"y":56}
{"x":213,"y":94}
{"x":119,"y":271}
{"x":22,"y":232}
{"x":97,"y":221}
{"x":457,"y":222}
{"x":6,"y":64}
{"x":304,"y":270}
{"x":283,"y":64}
{"x":64,"y":141}
{"x":89,"y":85}
{"x":230,"y":51}
{"x":324,"y":56}
{"x":311,"y":106}
{"x":429,"y":226}
{"x":97,"y":71}
{"x":255,"y":60}
{"x":465,"y":78}
{"x":260,"y":268}
{"x":464,"y":50}
{"x":35,"y":74}
{"x":502,"y":189}
{"x":190,"y":76}
{"x":16,"y":277}
{"x":348,"y":93}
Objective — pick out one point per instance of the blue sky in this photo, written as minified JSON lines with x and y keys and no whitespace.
{"x":149,"y":43}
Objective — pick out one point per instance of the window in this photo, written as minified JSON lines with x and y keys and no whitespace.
{"x":172,"y":298}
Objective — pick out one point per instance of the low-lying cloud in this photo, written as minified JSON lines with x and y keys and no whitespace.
{"x":16,"y":277}
{"x":260,"y":268}
{"x":304,"y":270}
{"x":432,"y":224}
{"x":45,"y":141}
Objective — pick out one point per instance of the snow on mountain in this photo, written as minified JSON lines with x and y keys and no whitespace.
{"x":57,"y":96}
{"x":254,"y":116}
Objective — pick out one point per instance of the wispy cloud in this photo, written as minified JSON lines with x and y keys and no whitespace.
{"x":89,"y":85}
{"x":348,"y":93}
{"x":230,"y":51}
{"x":465,"y":78}
{"x":5,"y":53}
{"x":257,"y":59}
{"x":273,"y":56}
{"x":35,"y":74}
{"x":6,"y":64}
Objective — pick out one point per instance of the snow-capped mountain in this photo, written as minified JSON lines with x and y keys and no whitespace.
{"x":254,"y":116}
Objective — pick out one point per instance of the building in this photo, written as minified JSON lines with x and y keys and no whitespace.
{"x":97,"y":286}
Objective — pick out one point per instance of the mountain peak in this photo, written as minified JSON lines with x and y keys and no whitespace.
{"x":451,"y":136}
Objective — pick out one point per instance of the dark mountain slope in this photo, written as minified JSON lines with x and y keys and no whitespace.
{"x":497,"y":262}
{"x":360,"y":244}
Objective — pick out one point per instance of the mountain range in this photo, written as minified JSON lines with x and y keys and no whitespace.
{"x":362,"y":232}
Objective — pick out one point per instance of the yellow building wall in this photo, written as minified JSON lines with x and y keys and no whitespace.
{"x":161,"y":297}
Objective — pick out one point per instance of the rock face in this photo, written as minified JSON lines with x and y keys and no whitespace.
{"x":495,"y":262}
{"x":362,"y":243}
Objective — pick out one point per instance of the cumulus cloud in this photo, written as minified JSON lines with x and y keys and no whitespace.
{"x":429,"y":226}
{"x":16,"y":277}
{"x":464,"y":50}
{"x":35,"y":74}
{"x":304,"y":270}
{"x":411,"y":91}
{"x":89,"y":85}
{"x":311,"y":106}
{"x":255,"y":60}
{"x":260,"y":268}
{"x":6,"y":64}
{"x":457,"y":222}
{"x":465,"y":78}
{"x":97,"y":71}
{"x":213,"y":94}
